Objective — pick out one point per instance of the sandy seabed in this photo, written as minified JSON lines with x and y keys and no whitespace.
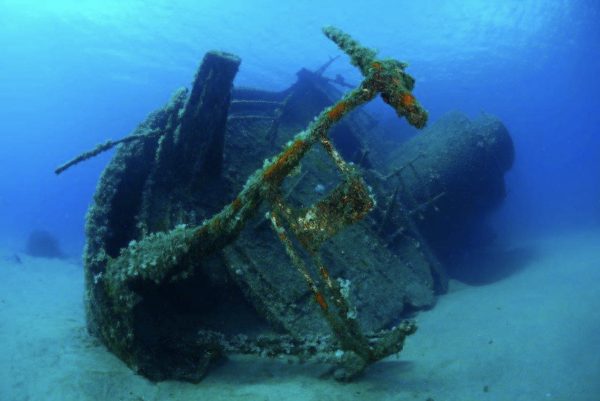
{"x":531,"y":335}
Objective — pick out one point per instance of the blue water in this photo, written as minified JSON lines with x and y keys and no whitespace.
{"x":75,"y":73}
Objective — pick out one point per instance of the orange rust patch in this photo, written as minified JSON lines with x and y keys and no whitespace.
{"x":273,"y":172}
{"x":407,"y":100}
{"x":321,"y":301}
{"x":376,"y":65}
{"x":236,"y":204}
{"x":337,"y":111}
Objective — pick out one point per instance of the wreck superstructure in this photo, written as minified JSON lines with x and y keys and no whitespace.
{"x":201,"y":243}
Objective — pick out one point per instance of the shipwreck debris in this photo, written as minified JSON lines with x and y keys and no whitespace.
{"x":175,"y":281}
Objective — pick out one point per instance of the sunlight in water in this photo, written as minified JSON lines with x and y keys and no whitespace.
{"x":483,"y":225}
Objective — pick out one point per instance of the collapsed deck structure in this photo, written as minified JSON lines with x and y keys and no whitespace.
{"x":201,"y":243}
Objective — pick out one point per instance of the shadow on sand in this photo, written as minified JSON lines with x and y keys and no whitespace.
{"x":491,"y":265}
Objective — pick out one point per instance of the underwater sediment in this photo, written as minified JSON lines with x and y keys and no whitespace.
{"x":201,"y":243}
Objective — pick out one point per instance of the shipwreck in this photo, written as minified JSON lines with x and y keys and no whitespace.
{"x":243,"y":221}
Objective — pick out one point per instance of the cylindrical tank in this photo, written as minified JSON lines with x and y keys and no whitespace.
{"x":450,"y":176}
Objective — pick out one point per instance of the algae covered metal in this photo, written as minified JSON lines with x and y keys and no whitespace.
{"x":301,"y":260}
